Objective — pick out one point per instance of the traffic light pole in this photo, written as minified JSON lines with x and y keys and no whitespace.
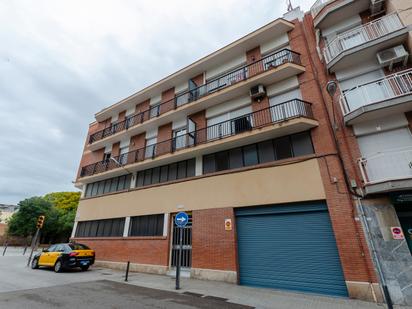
{"x":33,"y":245}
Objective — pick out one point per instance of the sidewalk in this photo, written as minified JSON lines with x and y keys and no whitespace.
{"x":255,"y":297}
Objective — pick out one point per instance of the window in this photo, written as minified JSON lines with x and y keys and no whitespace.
{"x":181,"y":170}
{"x":156,"y":175}
{"x":101,"y":228}
{"x":283,"y":148}
{"x":123,"y":155}
{"x":235,"y":158}
{"x":150,"y":147}
{"x":173,"y":171}
{"x":209,"y":164}
{"x":250,"y":156}
{"x":180,"y":138}
{"x":302,"y":144}
{"x":222,"y":161}
{"x":106,"y":156}
{"x":100,"y":188}
{"x":267,"y":151}
{"x":151,"y":225}
{"x":170,"y":172}
{"x":108,"y":185}
{"x":155,"y":110}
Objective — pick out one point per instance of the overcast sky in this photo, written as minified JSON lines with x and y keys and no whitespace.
{"x":62,"y":61}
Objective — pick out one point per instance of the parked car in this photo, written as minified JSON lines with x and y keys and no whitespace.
{"x":64,"y":256}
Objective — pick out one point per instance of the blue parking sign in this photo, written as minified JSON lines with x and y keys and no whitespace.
{"x":181,"y":219}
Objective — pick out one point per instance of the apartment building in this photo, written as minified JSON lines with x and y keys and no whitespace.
{"x":242,"y":141}
{"x":365,"y":48}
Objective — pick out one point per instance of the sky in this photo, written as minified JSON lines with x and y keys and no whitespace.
{"x":63,"y":61}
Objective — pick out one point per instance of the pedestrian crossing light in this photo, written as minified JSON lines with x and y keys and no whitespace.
{"x":40,"y":222}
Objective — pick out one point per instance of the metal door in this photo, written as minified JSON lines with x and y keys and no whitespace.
{"x":187,"y":243}
{"x":289,"y":247}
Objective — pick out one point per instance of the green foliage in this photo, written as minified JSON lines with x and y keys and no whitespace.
{"x":23,"y":222}
{"x":64,"y":200}
{"x":59,"y":209}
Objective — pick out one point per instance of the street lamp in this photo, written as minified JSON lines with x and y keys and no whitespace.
{"x":331,"y":88}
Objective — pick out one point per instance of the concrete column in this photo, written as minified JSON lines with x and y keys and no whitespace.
{"x":74,"y":229}
{"x":126,"y":227}
{"x":165,"y":224}
{"x":199,"y":166}
{"x":83,"y":191}
{"x":133,"y":181}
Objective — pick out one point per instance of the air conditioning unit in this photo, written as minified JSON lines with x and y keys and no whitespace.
{"x":392,"y":55}
{"x":257,"y":92}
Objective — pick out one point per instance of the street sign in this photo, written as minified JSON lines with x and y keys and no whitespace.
{"x":181,"y":219}
{"x":228,"y":224}
{"x":397,"y":232}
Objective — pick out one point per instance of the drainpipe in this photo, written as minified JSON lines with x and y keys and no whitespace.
{"x":374,"y":254}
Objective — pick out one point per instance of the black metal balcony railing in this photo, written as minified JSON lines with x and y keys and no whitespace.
{"x":268,"y":62}
{"x":278,"y":113}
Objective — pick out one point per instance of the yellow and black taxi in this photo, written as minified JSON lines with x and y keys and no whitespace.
{"x":64,"y":256}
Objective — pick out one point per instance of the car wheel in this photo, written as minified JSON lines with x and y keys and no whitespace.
{"x":35,"y":264}
{"x":58,"y":267}
{"x":84,"y":268}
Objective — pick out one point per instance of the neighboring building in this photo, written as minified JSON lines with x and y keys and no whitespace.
{"x":365,"y":46}
{"x":6,"y":211}
{"x":243,"y":141}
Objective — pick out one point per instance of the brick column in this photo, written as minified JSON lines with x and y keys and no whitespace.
{"x":353,"y":251}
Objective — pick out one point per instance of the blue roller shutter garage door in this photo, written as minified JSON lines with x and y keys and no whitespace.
{"x":289,"y":247}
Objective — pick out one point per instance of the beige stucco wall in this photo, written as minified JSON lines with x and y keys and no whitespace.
{"x":404,"y":10}
{"x":277,"y":184}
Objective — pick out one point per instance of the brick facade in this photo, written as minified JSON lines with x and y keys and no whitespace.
{"x":143,"y":250}
{"x":167,"y":100}
{"x":212,"y":246}
{"x":164,"y":135}
{"x":354,"y":254}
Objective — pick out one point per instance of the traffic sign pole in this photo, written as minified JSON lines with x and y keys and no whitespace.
{"x":181,"y":219}
{"x":179,"y":258}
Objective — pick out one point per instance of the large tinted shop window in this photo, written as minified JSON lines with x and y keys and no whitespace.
{"x":173,"y":171}
{"x":101,"y":228}
{"x":108,"y":185}
{"x":267,"y":151}
{"x":150,"y":225}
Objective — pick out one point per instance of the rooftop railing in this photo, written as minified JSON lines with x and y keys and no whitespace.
{"x":387,"y":166}
{"x":240,"y":74}
{"x":361,"y":35}
{"x":278,"y":113}
{"x":388,"y":87}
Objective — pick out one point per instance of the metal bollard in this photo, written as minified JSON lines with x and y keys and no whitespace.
{"x":127,"y":271}
{"x":5,"y":248}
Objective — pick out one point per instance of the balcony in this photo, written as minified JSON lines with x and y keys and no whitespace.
{"x":326,"y":13}
{"x":318,"y":6}
{"x":388,"y":95}
{"x":361,"y":43}
{"x":387,"y":171}
{"x":241,"y":77}
{"x":289,"y":117}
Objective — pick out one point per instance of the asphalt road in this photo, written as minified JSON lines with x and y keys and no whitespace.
{"x":21,"y":287}
{"x":106,"y":294}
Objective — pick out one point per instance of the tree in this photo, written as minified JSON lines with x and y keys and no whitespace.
{"x":59,"y":208}
{"x":23,"y":222}
{"x":67,"y":201}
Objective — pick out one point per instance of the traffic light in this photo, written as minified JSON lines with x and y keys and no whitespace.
{"x":40,"y":222}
